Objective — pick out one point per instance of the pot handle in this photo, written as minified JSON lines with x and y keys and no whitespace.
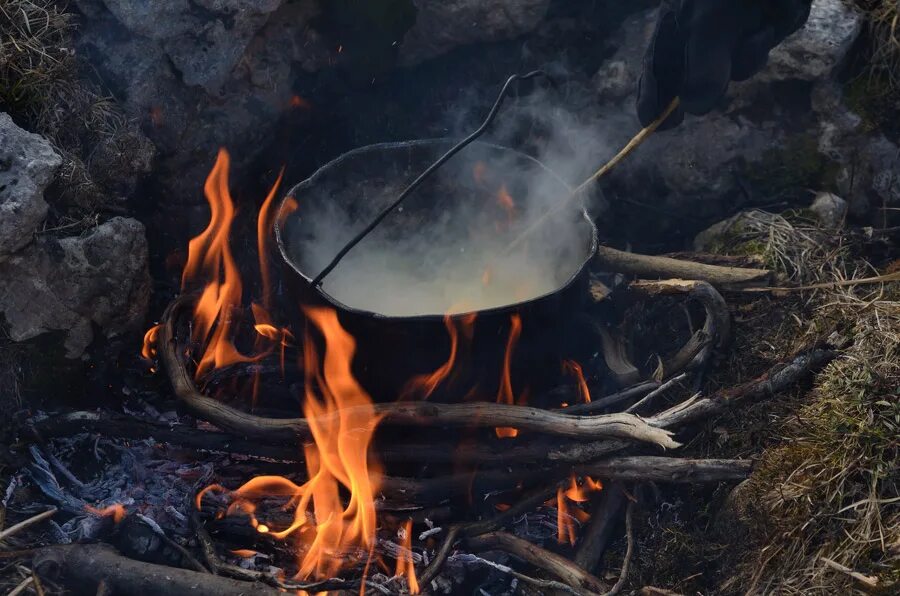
{"x":317,"y":281}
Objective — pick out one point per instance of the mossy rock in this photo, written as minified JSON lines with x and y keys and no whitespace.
{"x":788,"y":171}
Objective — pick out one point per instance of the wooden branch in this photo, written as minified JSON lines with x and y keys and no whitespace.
{"x":646,"y":266}
{"x":716,"y":327}
{"x":610,"y":400}
{"x":580,"y":580}
{"x":82,"y":567}
{"x":604,"y":516}
{"x":484,"y":415}
{"x":668,"y":469}
{"x":36,"y":519}
{"x":776,"y":379}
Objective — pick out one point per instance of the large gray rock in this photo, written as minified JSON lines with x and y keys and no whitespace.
{"x":73,"y":284}
{"x":203,"y":39}
{"x":760,"y":129}
{"x":202,"y":75}
{"x":27,"y":165}
{"x":817,"y":49}
{"x":442,"y":26}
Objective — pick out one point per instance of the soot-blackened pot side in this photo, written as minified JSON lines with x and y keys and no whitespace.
{"x":391,"y":350}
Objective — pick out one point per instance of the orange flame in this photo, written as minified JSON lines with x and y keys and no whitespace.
{"x":566,"y":515}
{"x":342,"y":421}
{"x":405,"y":565}
{"x":573,"y":368}
{"x":211,"y":263}
{"x":505,"y":393}
{"x":264,"y":222}
{"x":579,"y":494}
{"x":116,"y":511}
{"x":424,"y":385}
{"x":565,"y":528}
{"x":148,"y":350}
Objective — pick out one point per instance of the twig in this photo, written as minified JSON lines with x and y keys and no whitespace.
{"x":634,"y":143}
{"x":716,"y":328}
{"x":776,"y":379}
{"x":612,"y":399}
{"x":649,"y":267}
{"x":488,"y":415}
{"x":546,"y":584}
{"x":656,"y":392}
{"x":629,"y":551}
{"x":581,"y":582}
{"x":13,"y":530}
{"x":22,"y":586}
{"x":456,"y":531}
{"x":845,"y":283}
{"x":867,"y":582}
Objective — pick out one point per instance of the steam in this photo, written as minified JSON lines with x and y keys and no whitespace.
{"x":447,"y":249}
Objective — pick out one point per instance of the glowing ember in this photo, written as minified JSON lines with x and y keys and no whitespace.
{"x":148,"y":350}
{"x":505,"y":393}
{"x":116,"y":511}
{"x":405,"y":565}
{"x":573,"y":368}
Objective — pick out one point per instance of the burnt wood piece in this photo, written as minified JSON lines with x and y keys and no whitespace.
{"x":668,"y":469}
{"x":605,"y":515}
{"x":626,"y":426}
{"x":647,"y":266}
{"x":82,"y":568}
{"x":776,"y":379}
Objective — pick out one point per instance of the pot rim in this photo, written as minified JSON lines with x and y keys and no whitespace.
{"x":435,"y":317}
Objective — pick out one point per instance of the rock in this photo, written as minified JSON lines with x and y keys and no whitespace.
{"x":712,"y":238}
{"x":766,"y":138}
{"x":28,"y":164}
{"x":73,"y":284}
{"x":442,"y":26}
{"x":202,"y":75}
{"x":204,"y":40}
{"x":819,"y":47}
{"x":830,"y":209}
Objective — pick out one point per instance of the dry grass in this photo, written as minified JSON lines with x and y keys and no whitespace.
{"x":831,"y":489}
{"x":41,"y":89}
{"x":35,"y":37}
{"x":884,"y":27}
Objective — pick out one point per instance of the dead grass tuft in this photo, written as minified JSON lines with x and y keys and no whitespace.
{"x":103,"y":151}
{"x":831,"y":489}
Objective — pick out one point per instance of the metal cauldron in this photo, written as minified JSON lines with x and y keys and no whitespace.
{"x":392,"y":349}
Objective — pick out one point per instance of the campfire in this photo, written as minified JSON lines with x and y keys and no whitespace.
{"x":435,"y":452}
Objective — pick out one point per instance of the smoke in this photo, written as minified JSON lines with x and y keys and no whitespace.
{"x":447,"y":250}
